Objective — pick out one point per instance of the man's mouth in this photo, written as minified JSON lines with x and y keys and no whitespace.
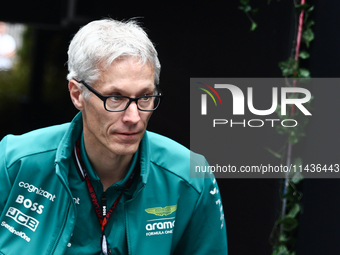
{"x":128,"y":135}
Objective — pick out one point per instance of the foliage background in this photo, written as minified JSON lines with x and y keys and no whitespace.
{"x":201,"y":39}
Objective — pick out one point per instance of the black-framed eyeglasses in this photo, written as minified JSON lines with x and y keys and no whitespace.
{"x":118,"y":103}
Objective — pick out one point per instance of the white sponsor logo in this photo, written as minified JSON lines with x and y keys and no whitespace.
{"x":218,"y":202}
{"x":160,"y":226}
{"x":214,"y":191}
{"x":76,"y":200}
{"x":38,"y":191}
{"x":22,"y":219}
{"x":15,"y":232}
{"x":35,"y":207}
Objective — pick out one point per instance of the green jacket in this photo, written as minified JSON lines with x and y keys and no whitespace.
{"x":166,"y":212}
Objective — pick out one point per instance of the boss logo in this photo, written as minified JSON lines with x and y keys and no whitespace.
{"x":35,"y":207}
{"x":22,"y":218}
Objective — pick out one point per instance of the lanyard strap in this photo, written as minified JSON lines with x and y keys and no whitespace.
{"x":102,"y":214}
{"x":101,"y":211}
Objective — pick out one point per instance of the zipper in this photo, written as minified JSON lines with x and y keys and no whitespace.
{"x":70,"y":204}
{"x":61,"y":230}
{"x":126,"y":227}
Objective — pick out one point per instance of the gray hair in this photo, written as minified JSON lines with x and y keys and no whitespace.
{"x":101,"y":42}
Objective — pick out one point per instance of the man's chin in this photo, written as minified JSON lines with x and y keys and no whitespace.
{"x":125,"y":149}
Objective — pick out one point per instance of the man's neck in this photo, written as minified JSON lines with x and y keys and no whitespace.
{"x":109,"y":167}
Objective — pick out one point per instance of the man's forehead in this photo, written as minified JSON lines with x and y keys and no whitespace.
{"x":128,"y":76}
{"x":134,"y":60}
{"x":127,"y":87}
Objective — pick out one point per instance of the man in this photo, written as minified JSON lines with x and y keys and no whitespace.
{"x":7,"y":48}
{"x":102,"y":184}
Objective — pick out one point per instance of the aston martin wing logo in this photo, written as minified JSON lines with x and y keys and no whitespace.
{"x":162,"y":211}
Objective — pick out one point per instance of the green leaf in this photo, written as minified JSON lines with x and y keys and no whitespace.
{"x":275,"y":154}
{"x":293,"y":139}
{"x":244,"y":2}
{"x":288,"y":67}
{"x":286,"y":240}
{"x":308,"y":36}
{"x":281,"y":250}
{"x":247,"y":8}
{"x":304,"y":55}
{"x":303,"y":73}
{"x":311,"y":9}
{"x":297,"y":177}
{"x":283,"y":238}
{"x":310,"y":23}
{"x":294,"y":211}
{"x":301,"y":7}
{"x":295,"y":174}
{"x":241,"y":8}
{"x":288,"y":223}
{"x":253,"y":26}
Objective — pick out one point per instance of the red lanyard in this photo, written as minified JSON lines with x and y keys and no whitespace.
{"x":101,"y":211}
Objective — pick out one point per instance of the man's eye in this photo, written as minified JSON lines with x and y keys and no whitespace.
{"x":145,"y":98}
{"x":115,"y":98}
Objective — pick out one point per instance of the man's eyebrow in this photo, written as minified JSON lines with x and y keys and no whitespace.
{"x":113,"y":89}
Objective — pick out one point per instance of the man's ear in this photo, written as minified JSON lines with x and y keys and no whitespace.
{"x":76,"y":94}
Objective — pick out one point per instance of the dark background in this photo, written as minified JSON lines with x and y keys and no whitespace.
{"x":208,"y":39}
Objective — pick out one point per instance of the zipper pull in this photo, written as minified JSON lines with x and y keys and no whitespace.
{"x":105,"y":247}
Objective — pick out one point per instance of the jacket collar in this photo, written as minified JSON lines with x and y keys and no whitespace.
{"x":66,"y":146}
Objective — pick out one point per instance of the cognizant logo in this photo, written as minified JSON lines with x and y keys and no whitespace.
{"x":39,"y":191}
{"x":238,"y":107}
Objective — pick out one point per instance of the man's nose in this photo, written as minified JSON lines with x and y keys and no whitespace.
{"x":131,"y":114}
